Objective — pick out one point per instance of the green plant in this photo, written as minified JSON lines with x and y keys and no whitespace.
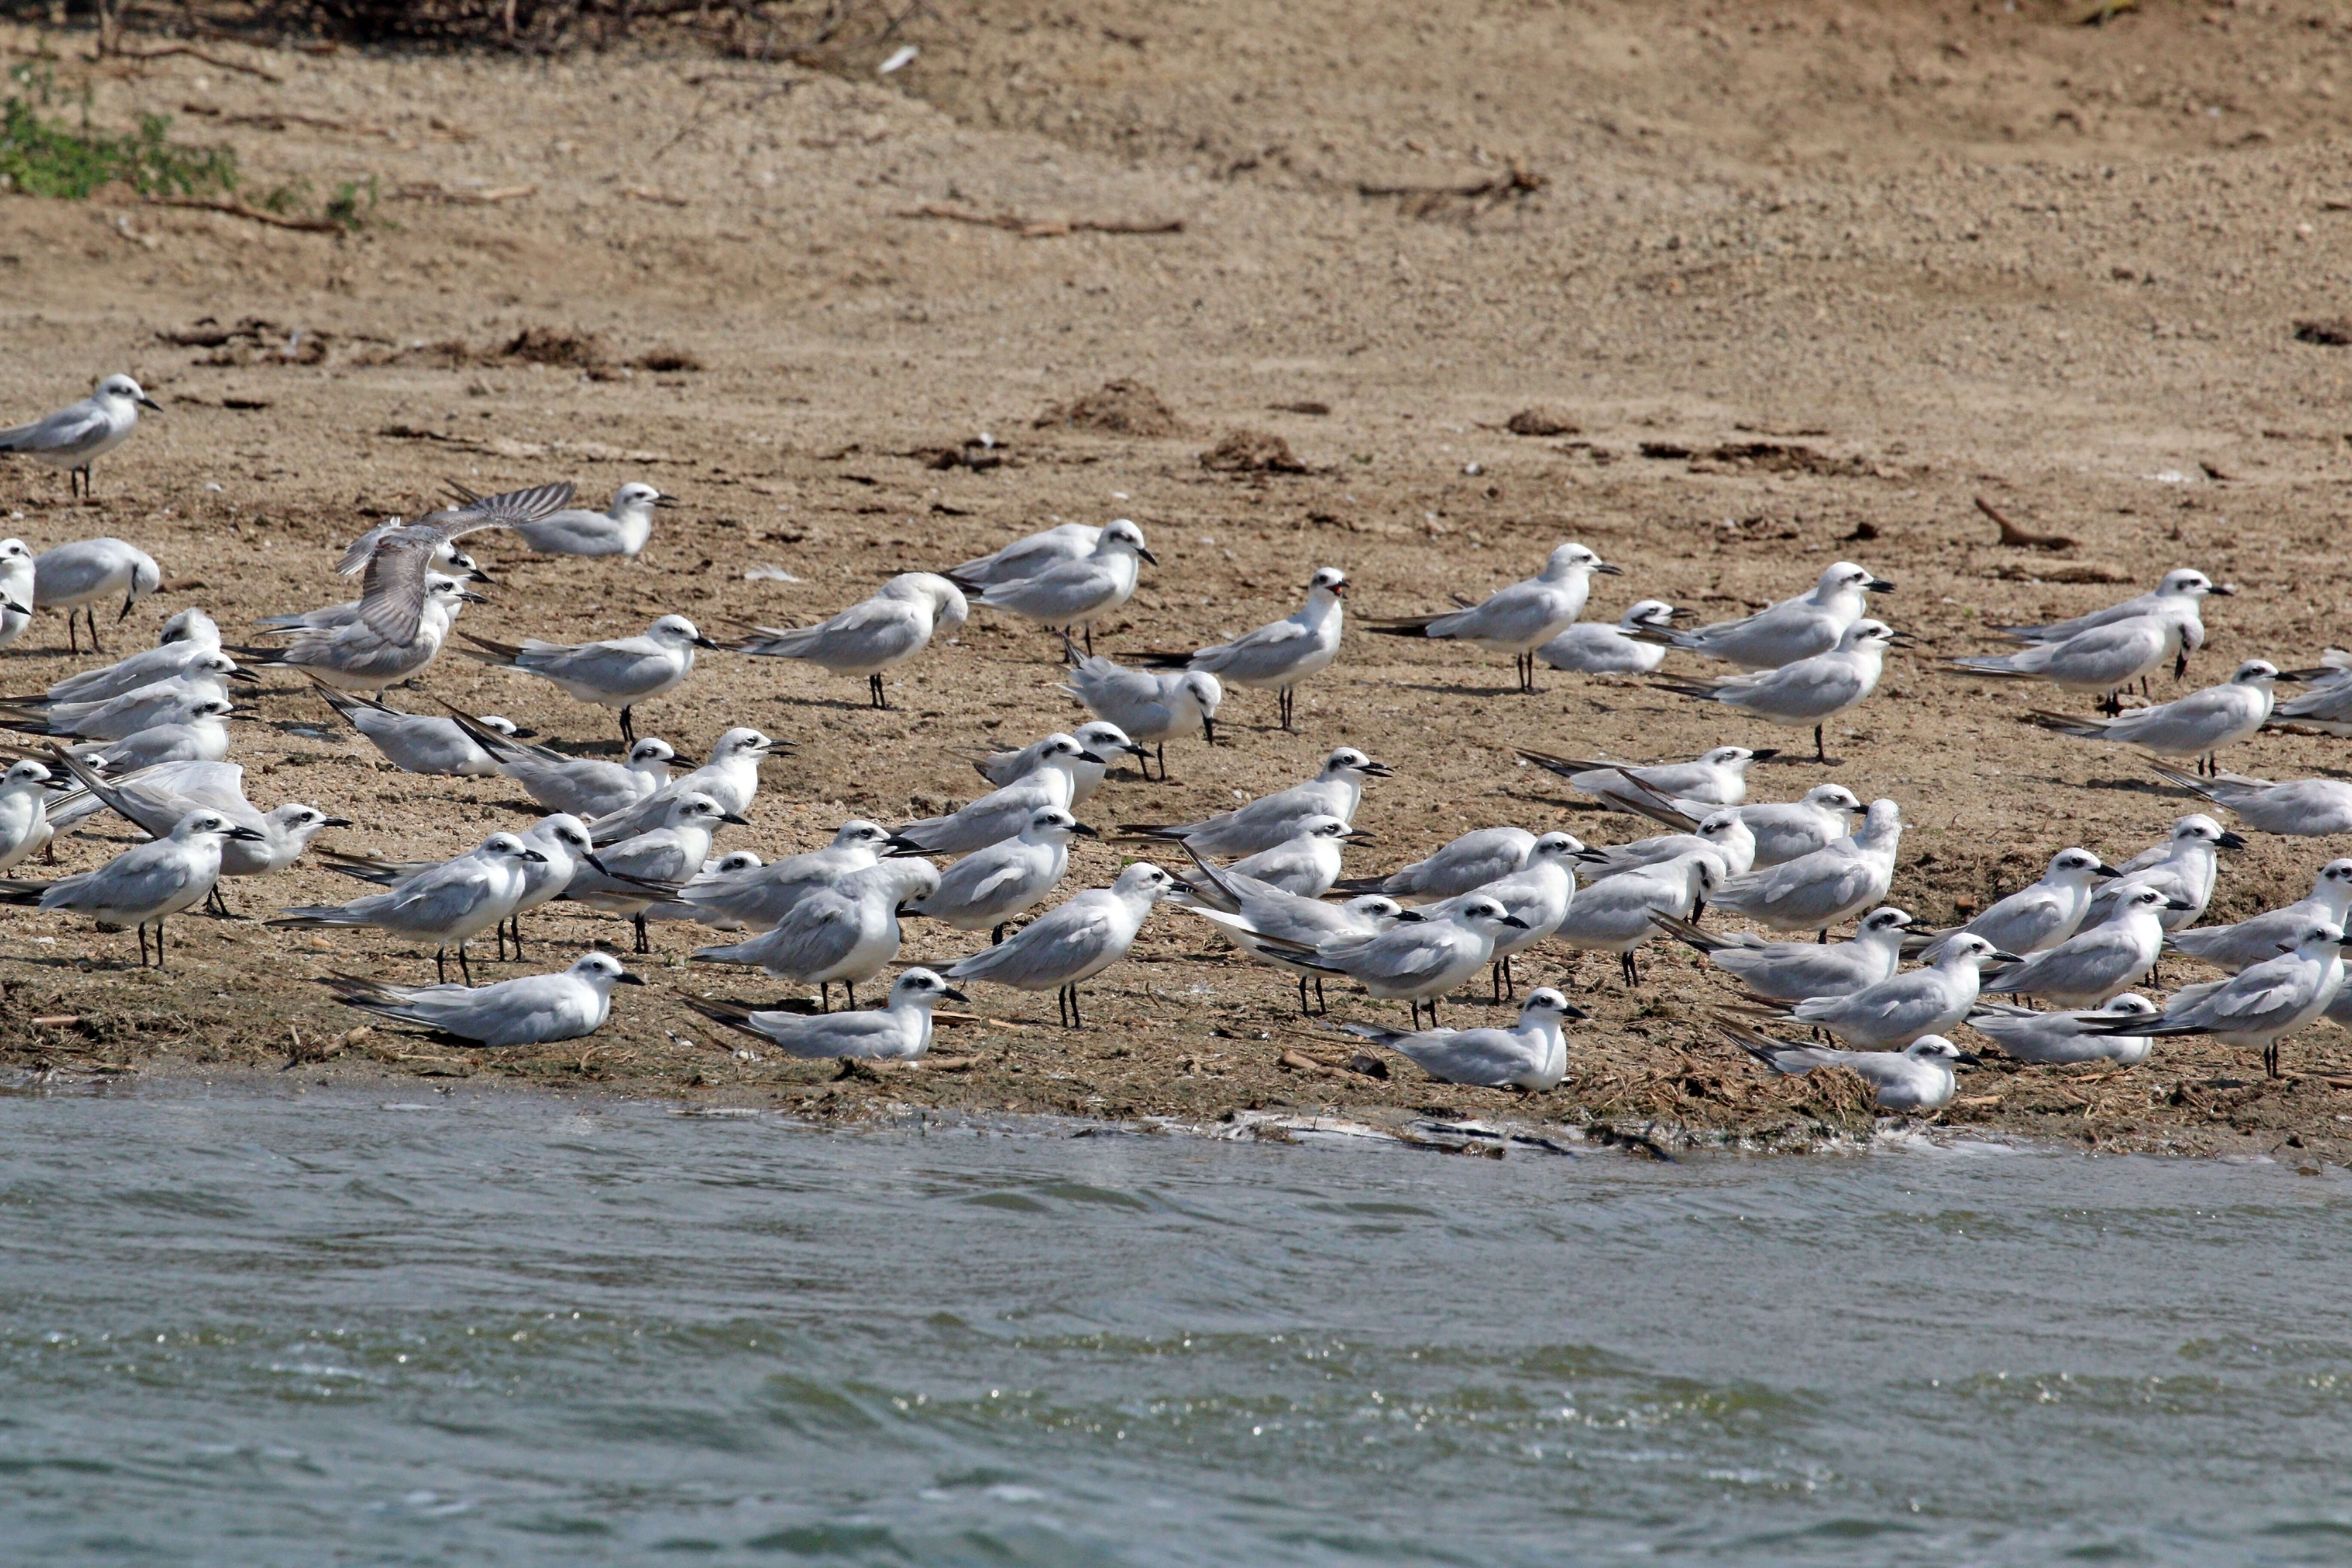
{"x":47,"y":158}
{"x":345,"y":209}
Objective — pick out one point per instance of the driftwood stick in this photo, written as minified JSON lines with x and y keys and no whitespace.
{"x":2017,"y":538}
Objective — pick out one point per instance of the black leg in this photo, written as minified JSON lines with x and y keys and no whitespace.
{"x":73,"y":633}
{"x":874,"y":691}
{"x":825,"y":996}
{"x":849,"y":989}
{"x":643,"y":945}
{"x":628,"y":726}
{"x":159,"y":944}
{"x":1161,"y":752}
{"x":996,"y":937}
{"x":1319,"y":1006}
{"x":1822,"y":937}
{"x":501,"y":929}
{"x":1632,"y":971}
{"x":1302,"y":993}
{"x":464,"y":970}
{"x":1510,"y":980}
{"x":517,"y":938}
{"x":1077,"y":1020}
{"x":1820,"y":753}
{"x":142,"y":947}
{"x":441,"y":965}
{"x":1494,"y":973}
{"x":96,"y":646}
{"x":1090,"y":653}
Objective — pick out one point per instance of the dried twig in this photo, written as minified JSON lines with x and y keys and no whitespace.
{"x":167,"y":51}
{"x":2017,"y":538}
{"x":457,"y":196}
{"x":238,"y":209}
{"x":1046,"y":228}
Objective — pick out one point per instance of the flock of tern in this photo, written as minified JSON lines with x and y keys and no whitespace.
{"x":147,"y":738}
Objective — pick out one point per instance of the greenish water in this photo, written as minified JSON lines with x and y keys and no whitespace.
{"x":247,"y":1328}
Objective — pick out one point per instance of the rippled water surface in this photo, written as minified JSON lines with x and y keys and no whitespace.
{"x":247,"y":1328}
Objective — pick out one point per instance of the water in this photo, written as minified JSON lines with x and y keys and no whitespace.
{"x":245,"y":1329}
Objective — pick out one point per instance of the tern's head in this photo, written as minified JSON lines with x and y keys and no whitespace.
{"x":677,"y":631}
{"x":1348,"y":760}
{"x":1845,"y":577}
{"x":1206,"y":692}
{"x":1144,"y":880}
{"x":1832,"y":797}
{"x":445,"y":590}
{"x":1102,"y":737}
{"x":14,"y":550}
{"x":1865,"y":633}
{"x":1969,"y":948}
{"x":1888,"y":920}
{"x":860,"y":834}
{"x":921,"y":988}
{"x":636,"y":499}
{"x":695,"y":809}
{"x":499,"y":724}
{"x":2136,"y":901}
{"x":1883,"y":818}
{"x":1556,"y":845}
{"x":2319,"y":936}
{"x":23,"y":776}
{"x":602,"y":971}
{"x":1051,"y":824}
{"x":650,"y":752}
{"x":741,"y":743}
{"x":2198,"y":828}
{"x":2130,"y":1005}
{"x":2078,"y":866}
{"x":214,"y":708}
{"x":1323,"y":825}
{"x":509,"y":846}
{"x":1719,"y":826}
{"x":1936,"y":1049}
{"x":123,"y":389}
{"x":1378,"y":908}
{"x":1735,"y":758}
{"x":1574,"y":561}
{"x":297,"y":820}
{"x":1327,"y":580}
{"x":2254,"y":672}
{"x":145,"y":578}
{"x":1653,"y":614}
{"x":1545,"y":1004}
{"x":736,"y":860}
{"x":2189,"y":582}
{"x":566,"y":831}
{"x":1480,"y":912}
{"x":187,"y":626}
{"x":1066,"y":751}
{"x":204,"y":823}
{"x":1123,"y":538}
{"x":2335,"y":874}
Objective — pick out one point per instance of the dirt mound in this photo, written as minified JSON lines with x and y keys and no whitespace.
{"x":1540,"y":421}
{"x":1116,"y":408}
{"x":1252,"y":452}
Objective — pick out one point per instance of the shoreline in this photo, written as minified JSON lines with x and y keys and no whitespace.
{"x":1828,"y":1117}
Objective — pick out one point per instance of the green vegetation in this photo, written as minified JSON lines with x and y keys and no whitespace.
{"x":45,"y":157}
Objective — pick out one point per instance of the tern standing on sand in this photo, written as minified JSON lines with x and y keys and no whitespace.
{"x":1279,"y":654}
{"x":1521,"y":618}
{"x":80,"y":433}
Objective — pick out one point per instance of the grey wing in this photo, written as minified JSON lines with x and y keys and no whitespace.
{"x":363,"y":549}
{"x":64,"y":431}
{"x":1268,"y":649}
{"x":506,"y":510}
{"x":392,"y":595}
{"x":1055,"y":945}
{"x":837,"y":1035}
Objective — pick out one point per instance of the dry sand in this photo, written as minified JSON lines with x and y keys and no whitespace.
{"x":1800,"y":282}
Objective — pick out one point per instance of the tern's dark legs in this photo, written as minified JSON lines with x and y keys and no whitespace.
{"x":628,"y":726}
{"x":874,"y":691}
{"x":1285,"y":704}
{"x":643,"y":945}
{"x":464,"y":970}
{"x":1632,"y":971}
{"x":1821,"y":751}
